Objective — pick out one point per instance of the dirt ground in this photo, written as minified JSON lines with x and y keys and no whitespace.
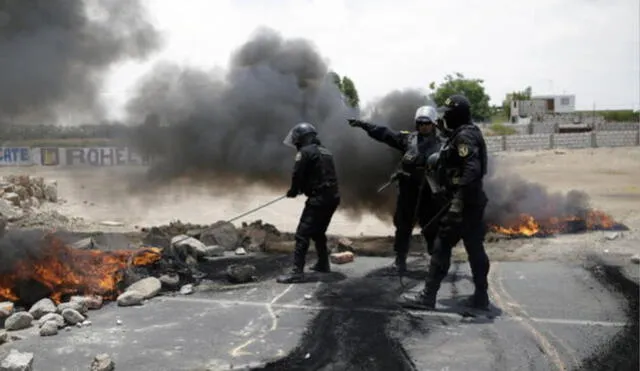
{"x":609,"y":175}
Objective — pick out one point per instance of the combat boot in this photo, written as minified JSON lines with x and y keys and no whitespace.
{"x":423,"y":300}
{"x":479,"y":300}
{"x":296,"y":275}
{"x":322,"y":265}
{"x":400,"y":264}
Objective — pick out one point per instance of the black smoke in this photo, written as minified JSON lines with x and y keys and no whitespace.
{"x":228,"y":125}
{"x":53,"y":54}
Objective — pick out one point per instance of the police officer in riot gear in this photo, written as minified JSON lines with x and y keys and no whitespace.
{"x":462,"y":165}
{"x":314,"y":175}
{"x":415,"y":201}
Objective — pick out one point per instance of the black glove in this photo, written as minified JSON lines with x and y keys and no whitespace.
{"x":292,"y":193}
{"x":356,"y":123}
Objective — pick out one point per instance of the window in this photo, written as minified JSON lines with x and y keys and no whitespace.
{"x":565,"y":101}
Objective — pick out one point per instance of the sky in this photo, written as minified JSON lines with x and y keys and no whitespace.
{"x":590,"y":48}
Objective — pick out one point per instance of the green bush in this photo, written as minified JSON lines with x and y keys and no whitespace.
{"x":502,"y":129}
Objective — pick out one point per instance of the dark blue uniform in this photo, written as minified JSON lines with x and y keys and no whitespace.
{"x":462,"y":166}
{"x":314,"y":175}
{"x":415,"y":202}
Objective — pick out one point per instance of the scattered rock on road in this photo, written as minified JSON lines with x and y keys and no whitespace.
{"x":17,"y":361}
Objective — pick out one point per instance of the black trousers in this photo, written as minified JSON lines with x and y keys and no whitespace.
{"x":314,"y":221}
{"x":472,"y":232}
{"x":411,"y":209}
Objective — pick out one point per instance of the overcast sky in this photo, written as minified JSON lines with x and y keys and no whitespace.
{"x":590,"y":48}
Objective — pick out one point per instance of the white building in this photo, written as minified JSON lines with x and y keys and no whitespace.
{"x":565,"y":103}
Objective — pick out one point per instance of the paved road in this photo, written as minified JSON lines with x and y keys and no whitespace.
{"x":548,"y":316}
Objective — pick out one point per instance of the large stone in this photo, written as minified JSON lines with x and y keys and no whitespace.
{"x":342,"y":257}
{"x":221,"y":233}
{"x":102,"y":362}
{"x":42,"y":307}
{"x":18,"y":321}
{"x":130,"y":298}
{"x":49,"y":328}
{"x":77,"y":305}
{"x":189,"y":246}
{"x":17,"y":361}
{"x":241,"y":273}
{"x":51,"y":191}
{"x":72,"y":316}
{"x":148,"y":287}
{"x":12,"y":197}
{"x":52,"y":317}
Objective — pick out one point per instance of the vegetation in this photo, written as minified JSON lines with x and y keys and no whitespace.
{"x":515,"y":96}
{"x":615,"y":115}
{"x":471,"y":88}
{"x":502,"y":129}
{"x":348,"y":89}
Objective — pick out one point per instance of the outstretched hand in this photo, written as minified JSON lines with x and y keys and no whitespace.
{"x":355,"y":123}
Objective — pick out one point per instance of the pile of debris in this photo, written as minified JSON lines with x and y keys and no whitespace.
{"x":21,"y":194}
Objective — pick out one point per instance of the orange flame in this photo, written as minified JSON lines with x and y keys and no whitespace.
{"x":527,"y":226}
{"x":67,"y":271}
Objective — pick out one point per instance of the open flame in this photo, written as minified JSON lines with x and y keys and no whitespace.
{"x":528,"y":226}
{"x":64,"y":271}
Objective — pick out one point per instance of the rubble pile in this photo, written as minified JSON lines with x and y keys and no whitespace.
{"x":22,"y":194}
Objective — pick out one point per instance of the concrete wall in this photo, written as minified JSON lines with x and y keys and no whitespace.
{"x":594,"y":139}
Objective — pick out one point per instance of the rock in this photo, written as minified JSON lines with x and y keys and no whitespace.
{"x":18,"y":321}
{"x":84,"y":244}
{"x":612,"y":236}
{"x":49,"y":328}
{"x":186,"y":289}
{"x":10,"y":212}
{"x":213,"y":251}
{"x":255,"y":238}
{"x":78,"y":306}
{"x":341,"y":257}
{"x":86,"y":323}
{"x":4,"y":337}
{"x":130,"y":298}
{"x":189,"y":246}
{"x":91,"y":301}
{"x":221,"y":233}
{"x":237,"y":273}
{"x":72,"y":316}
{"x":241,"y":251}
{"x":42,"y":307}
{"x":345,"y":244}
{"x":6,"y":309}
{"x":635,"y":259}
{"x":52,"y":317}
{"x":148,"y":287}
{"x":51,"y":191}
{"x":170,"y":281}
{"x":17,"y":361}
{"x":12,"y":197}
{"x":21,"y":191}
{"x":102,"y":362}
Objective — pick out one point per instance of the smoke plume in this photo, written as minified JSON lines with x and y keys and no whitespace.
{"x":54,"y":52}
{"x":231,"y":123}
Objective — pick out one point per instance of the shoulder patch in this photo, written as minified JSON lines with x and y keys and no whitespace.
{"x":463,"y":150}
{"x":298,"y":156}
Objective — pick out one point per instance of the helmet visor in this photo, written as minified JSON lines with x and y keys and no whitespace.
{"x":288,"y":140}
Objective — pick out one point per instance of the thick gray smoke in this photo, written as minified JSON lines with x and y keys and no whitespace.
{"x":231,"y":124}
{"x":53,"y":54}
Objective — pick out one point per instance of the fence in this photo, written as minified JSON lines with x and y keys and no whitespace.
{"x":115,"y":156}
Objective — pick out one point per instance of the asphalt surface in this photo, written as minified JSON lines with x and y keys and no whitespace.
{"x":546,"y":316}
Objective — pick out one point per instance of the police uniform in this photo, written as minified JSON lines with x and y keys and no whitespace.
{"x":462,"y":165}
{"x":314,"y":175}
{"x":415,"y":201}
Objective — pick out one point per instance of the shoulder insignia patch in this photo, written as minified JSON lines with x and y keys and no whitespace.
{"x":298,"y":156}
{"x":463,"y":150}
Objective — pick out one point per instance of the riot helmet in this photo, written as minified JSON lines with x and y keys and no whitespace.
{"x":426,"y":115}
{"x":299,"y":135}
{"x":456,"y":111}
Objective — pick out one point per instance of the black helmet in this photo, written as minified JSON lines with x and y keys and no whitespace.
{"x":299,"y":133}
{"x":456,"y":111}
